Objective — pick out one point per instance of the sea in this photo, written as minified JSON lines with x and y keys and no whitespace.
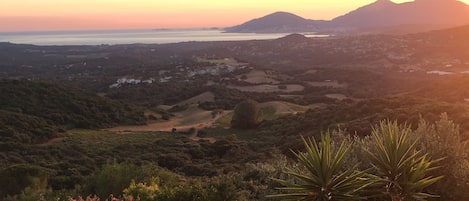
{"x":142,"y":36}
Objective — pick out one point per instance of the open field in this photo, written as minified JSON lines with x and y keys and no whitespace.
{"x":258,"y":77}
{"x":269,"y":88}
{"x":193,"y":117}
{"x":271,"y":110}
{"x":311,"y":71}
{"x":224,"y":121}
{"x":282,"y":107}
{"x":291,"y":96}
{"x":337,"y":96}
{"x":328,"y":83}
{"x":203,"y":97}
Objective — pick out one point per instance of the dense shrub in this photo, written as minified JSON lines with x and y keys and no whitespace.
{"x":247,"y":114}
{"x":22,"y":128}
{"x":357,"y":117}
{"x":443,"y":140}
{"x":191,"y":189}
{"x":65,"y":106}
{"x":16,"y":178}
{"x":113,"y":178}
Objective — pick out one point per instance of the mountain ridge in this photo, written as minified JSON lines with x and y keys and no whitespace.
{"x":379,"y":15}
{"x":275,"y":22}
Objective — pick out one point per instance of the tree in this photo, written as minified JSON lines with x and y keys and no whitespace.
{"x":324,"y":179}
{"x":247,"y":114}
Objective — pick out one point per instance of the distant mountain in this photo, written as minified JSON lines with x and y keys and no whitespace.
{"x":278,"y":22}
{"x":425,"y":14}
{"x":380,"y":16}
{"x":374,"y":14}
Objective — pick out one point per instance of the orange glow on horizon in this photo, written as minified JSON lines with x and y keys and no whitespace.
{"x":24,"y":15}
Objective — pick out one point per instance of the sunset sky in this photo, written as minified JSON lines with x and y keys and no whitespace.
{"x":33,"y":15}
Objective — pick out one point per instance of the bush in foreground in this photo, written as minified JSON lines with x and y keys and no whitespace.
{"x":399,"y":171}
{"x":325,"y":180}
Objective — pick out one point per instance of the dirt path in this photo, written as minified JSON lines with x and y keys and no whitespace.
{"x":181,"y":122}
{"x":194,"y":134}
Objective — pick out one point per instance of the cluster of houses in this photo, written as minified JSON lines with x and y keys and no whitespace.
{"x":182,"y":73}
{"x":130,"y":81}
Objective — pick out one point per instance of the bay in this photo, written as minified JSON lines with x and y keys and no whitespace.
{"x":112,"y":37}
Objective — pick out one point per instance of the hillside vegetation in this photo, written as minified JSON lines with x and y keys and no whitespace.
{"x":33,"y":112}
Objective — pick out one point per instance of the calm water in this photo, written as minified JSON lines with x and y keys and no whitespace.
{"x":129,"y":36}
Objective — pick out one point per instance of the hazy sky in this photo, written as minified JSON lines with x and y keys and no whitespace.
{"x":21,"y":15}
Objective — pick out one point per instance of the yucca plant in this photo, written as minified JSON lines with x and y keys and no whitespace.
{"x":404,"y":171}
{"x":324,"y":179}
